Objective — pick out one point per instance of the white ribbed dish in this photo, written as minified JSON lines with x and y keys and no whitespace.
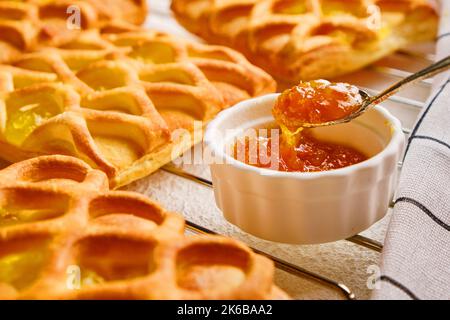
{"x":305,"y":208}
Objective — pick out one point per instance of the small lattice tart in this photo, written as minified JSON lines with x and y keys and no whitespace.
{"x":309,"y":39}
{"x":65,"y":235}
{"x":123,"y":99}
{"x":25,"y":24}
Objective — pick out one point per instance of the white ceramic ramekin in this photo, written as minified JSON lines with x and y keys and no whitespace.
{"x":305,"y":208}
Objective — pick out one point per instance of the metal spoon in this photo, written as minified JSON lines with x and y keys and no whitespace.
{"x":369,"y":101}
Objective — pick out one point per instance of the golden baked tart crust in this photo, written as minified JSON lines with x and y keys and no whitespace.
{"x":65,"y":235}
{"x":26,"y":24}
{"x":308,"y":39}
{"x":123,"y":99}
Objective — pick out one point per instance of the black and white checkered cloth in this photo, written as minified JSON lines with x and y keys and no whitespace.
{"x":416,"y":255}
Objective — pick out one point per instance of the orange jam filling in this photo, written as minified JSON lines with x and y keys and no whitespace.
{"x":296,"y":149}
{"x":308,"y":154}
{"x":316,"y":102}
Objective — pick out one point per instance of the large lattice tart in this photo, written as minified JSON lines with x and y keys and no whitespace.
{"x":64,"y":235}
{"x":307,"y":39}
{"x":28,"y":23}
{"x":123,"y":99}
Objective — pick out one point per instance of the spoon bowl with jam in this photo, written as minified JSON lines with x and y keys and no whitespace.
{"x":321,"y":103}
{"x":315,"y":103}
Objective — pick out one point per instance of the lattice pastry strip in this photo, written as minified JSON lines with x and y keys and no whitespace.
{"x":119,"y":100}
{"x":305,"y":39}
{"x":64,"y":235}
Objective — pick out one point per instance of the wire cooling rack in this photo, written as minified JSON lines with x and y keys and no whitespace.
{"x":404,"y":107}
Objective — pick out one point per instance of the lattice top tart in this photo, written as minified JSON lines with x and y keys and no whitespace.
{"x":124,"y":100}
{"x":308,"y":39}
{"x":25,"y":24}
{"x":64,"y":235}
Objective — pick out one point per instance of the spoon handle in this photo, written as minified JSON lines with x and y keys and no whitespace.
{"x":429,"y":71}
